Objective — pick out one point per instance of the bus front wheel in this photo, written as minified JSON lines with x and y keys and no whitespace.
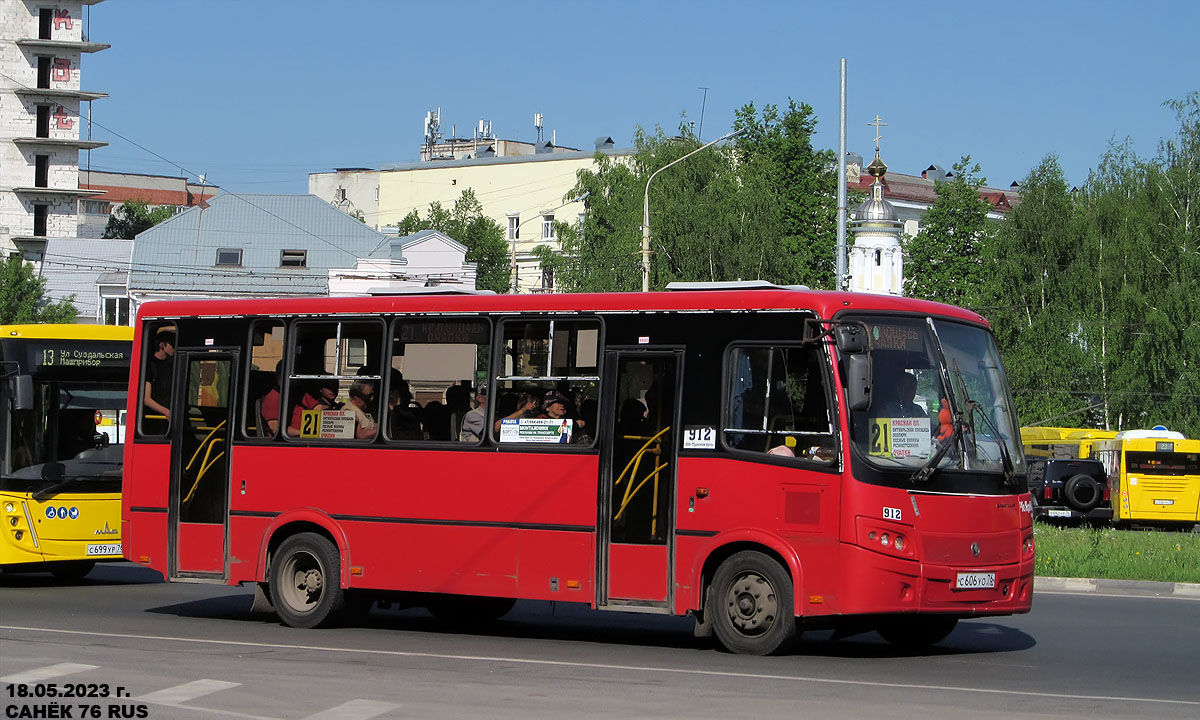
{"x":74,"y":570}
{"x":306,"y":581}
{"x":752,"y":611}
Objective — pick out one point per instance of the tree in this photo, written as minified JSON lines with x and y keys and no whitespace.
{"x":804,"y":182}
{"x":134,"y":217}
{"x":946,"y":259}
{"x":482,"y":236}
{"x":22,"y":297}
{"x":1036,"y":295}
{"x":763,"y":207}
{"x":1143,"y":237}
{"x":1095,"y":294}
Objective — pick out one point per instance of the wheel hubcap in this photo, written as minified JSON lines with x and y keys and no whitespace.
{"x":303,"y":592}
{"x":751,"y":604}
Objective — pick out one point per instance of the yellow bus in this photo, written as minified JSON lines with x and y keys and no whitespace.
{"x":1057,"y":442}
{"x":62,"y":419}
{"x":1154,"y":477}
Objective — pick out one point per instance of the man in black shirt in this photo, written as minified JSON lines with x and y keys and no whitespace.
{"x":160,"y":371}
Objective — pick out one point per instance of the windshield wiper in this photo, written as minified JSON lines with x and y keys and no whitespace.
{"x":1005,"y":459}
{"x":926,"y":471}
{"x":56,"y":487}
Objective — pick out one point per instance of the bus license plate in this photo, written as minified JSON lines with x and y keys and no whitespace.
{"x":974,"y":581}
{"x":104,"y":549}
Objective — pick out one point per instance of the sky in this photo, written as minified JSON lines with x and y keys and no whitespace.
{"x":256,"y":94}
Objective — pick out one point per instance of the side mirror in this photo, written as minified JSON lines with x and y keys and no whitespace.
{"x":858,"y":381}
{"x":22,"y":392}
{"x":850,"y":339}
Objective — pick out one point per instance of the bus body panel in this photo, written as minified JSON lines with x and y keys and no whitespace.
{"x":797,"y":509}
{"x":638,"y":578}
{"x":875,"y":583}
{"x":501,"y":521}
{"x":544,"y":512}
{"x":66,"y":526}
{"x":1159,"y":498}
{"x":74,"y":523}
{"x":944,"y":535}
{"x":1161,"y":487}
{"x":694,"y":553}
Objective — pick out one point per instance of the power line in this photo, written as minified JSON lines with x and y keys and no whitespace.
{"x":196,"y":175}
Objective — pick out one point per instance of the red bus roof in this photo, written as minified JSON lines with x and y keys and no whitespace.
{"x":824,"y":303}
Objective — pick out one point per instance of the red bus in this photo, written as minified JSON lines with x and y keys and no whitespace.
{"x":766,"y":460}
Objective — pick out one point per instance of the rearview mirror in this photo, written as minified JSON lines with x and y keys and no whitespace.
{"x":858,"y":381}
{"x":22,"y":392}
{"x":850,"y":338}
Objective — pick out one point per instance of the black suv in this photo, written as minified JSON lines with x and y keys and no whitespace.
{"x":1067,"y":489}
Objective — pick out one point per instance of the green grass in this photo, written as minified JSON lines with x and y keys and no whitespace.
{"x":1117,"y":554}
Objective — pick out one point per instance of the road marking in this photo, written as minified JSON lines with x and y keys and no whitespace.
{"x":46,"y":673}
{"x":354,"y":710}
{"x":653,"y":669}
{"x":187,"y":691}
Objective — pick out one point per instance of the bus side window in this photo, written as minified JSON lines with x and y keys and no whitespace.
{"x":263,"y":388}
{"x":435,"y":371}
{"x":778,"y":403}
{"x":333,"y":388}
{"x":548,"y":382}
{"x":157,"y":378}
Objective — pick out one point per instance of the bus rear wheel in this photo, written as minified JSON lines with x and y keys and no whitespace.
{"x":74,"y":570}
{"x":305,"y":582}
{"x":752,"y":610}
{"x":916,"y":632}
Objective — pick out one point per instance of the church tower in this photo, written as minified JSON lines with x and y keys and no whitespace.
{"x":877,"y":259}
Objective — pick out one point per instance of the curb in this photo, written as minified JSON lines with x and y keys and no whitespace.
{"x":1144,"y":588}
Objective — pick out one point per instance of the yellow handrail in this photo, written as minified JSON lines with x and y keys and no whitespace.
{"x":206,"y":445}
{"x":204,"y":466}
{"x":204,"y":442}
{"x":631,"y":468}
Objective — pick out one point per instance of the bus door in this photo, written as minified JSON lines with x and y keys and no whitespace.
{"x":200,"y":448}
{"x":637,"y":478}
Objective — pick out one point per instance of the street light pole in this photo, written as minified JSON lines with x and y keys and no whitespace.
{"x":646,"y":206}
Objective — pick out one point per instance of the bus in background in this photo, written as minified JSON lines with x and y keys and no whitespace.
{"x":62,"y":418}
{"x":1153,"y":476}
{"x":755,"y":457}
{"x":1056,"y":442}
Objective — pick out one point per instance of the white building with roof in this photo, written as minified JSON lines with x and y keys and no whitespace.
{"x":281,"y":245}
{"x":524,"y":193}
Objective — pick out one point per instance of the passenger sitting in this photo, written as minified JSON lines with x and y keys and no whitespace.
{"x":526,"y":407}
{"x":403,"y":423}
{"x":435,"y":419}
{"x":475,"y":421}
{"x":321,"y":395}
{"x":362,"y":407}
{"x":268,"y":409}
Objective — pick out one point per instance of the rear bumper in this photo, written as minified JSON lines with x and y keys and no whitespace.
{"x":1061,"y":512}
{"x":875,"y":583}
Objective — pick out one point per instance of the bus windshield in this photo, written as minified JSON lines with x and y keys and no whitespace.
{"x":73,"y":433}
{"x":939,"y":400}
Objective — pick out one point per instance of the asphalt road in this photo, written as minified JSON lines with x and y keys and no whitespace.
{"x":195,"y":651}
